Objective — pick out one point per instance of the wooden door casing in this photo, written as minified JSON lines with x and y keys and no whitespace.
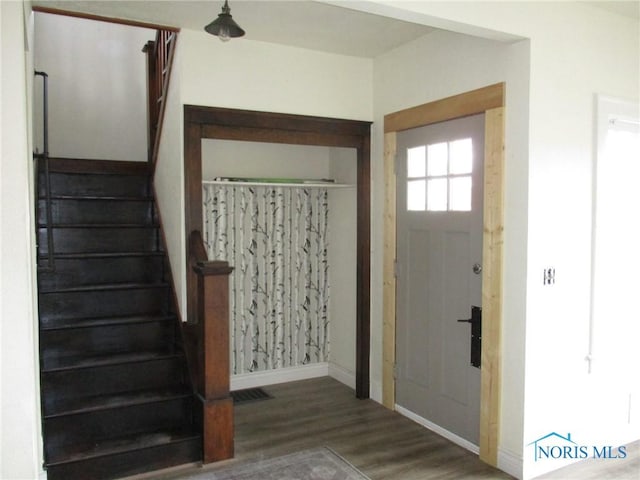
{"x":491,"y":101}
{"x":245,"y":125}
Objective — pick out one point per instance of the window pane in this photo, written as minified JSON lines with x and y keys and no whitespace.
{"x":437,"y":195}
{"x":416,"y":195}
{"x":460,"y":194}
{"x":416,"y":162}
{"x":461,"y":156}
{"x":437,"y":159}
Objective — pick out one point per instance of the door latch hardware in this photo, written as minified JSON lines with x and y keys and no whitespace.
{"x":476,"y":335}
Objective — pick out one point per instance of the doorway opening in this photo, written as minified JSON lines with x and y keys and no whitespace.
{"x":249,"y":126}
{"x":285,"y":217}
{"x":490,"y":101}
{"x":97,"y":103}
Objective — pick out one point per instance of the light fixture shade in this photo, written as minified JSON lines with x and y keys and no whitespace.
{"x":224,"y":26}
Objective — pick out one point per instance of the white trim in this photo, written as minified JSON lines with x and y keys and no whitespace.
{"x":342,"y":375}
{"x":510,"y":463}
{"x":280,"y":375}
{"x":438,"y":429}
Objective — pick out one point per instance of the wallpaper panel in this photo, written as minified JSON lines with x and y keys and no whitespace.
{"x":276,"y":239}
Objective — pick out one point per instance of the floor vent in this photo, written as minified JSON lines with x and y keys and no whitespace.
{"x":249,"y":395}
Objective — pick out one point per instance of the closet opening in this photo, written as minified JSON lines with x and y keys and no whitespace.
{"x":284,"y":216}
{"x":285,"y":199}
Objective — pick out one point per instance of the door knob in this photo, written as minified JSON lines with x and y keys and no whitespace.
{"x":477,"y":268}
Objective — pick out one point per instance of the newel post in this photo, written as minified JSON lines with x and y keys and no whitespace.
{"x":213,"y":352}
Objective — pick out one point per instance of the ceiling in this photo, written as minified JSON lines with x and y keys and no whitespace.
{"x":300,"y":23}
{"x":628,"y":8}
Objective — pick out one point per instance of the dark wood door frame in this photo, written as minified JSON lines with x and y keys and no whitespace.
{"x":244,"y":125}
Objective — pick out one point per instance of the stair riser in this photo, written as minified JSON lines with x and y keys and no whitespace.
{"x":111,"y":379}
{"x":105,"y":340}
{"x":105,"y":270}
{"x":95,"y":185}
{"x":103,"y":303}
{"x":129,"y":463}
{"x":96,"y":211}
{"x":99,"y":240}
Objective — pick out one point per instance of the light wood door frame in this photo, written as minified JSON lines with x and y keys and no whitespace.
{"x":489,"y":100}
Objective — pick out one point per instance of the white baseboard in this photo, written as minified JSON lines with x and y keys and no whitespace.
{"x":438,"y":429}
{"x":281,"y":375}
{"x":342,"y":375}
{"x":510,"y":463}
{"x":507,"y":461}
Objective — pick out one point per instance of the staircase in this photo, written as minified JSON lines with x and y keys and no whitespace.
{"x":115,"y":389}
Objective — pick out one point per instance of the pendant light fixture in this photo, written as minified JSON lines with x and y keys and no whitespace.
{"x":224,"y":27}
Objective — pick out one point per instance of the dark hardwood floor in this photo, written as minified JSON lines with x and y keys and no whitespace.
{"x":382,"y":444}
{"x":323,"y":412}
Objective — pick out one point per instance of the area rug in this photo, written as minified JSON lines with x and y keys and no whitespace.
{"x":315,"y":464}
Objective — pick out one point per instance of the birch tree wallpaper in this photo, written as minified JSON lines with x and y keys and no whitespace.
{"x":276,"y":240}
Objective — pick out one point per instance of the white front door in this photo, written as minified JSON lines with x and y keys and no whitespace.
{"x":439,"y":253}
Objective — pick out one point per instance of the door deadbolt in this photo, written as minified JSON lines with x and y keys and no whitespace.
{"x":476,"y":335}
{"x":477,"y":268}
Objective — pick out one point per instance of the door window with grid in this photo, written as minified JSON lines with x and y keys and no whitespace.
{"x":439,"y":176}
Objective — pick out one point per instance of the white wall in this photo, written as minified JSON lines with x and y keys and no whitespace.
{"x":515,"y":256}
{"x":342,"y":259}
{"x":562,"y":132}
{"x":274,"y":78}
{"x":97,"y":87}
{"x":20,"y":456}
{"x":230,"y":158}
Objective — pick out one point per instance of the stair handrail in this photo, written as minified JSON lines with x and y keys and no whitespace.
{"x":212,"y":368}
{"x":47,"y":177}
{"x":159,"y":63}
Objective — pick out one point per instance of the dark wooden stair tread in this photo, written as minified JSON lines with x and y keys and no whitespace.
{"x":86,"y":451}
{"x":83,"y":166}
{"x":105,"y":287}
{"x":66,"y":256}
{"x":73,"y":406}
{"x":126,"y":198}
{"x":101,"y":225}
{"x":89,"y":361}
{"x":72,"y":322}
